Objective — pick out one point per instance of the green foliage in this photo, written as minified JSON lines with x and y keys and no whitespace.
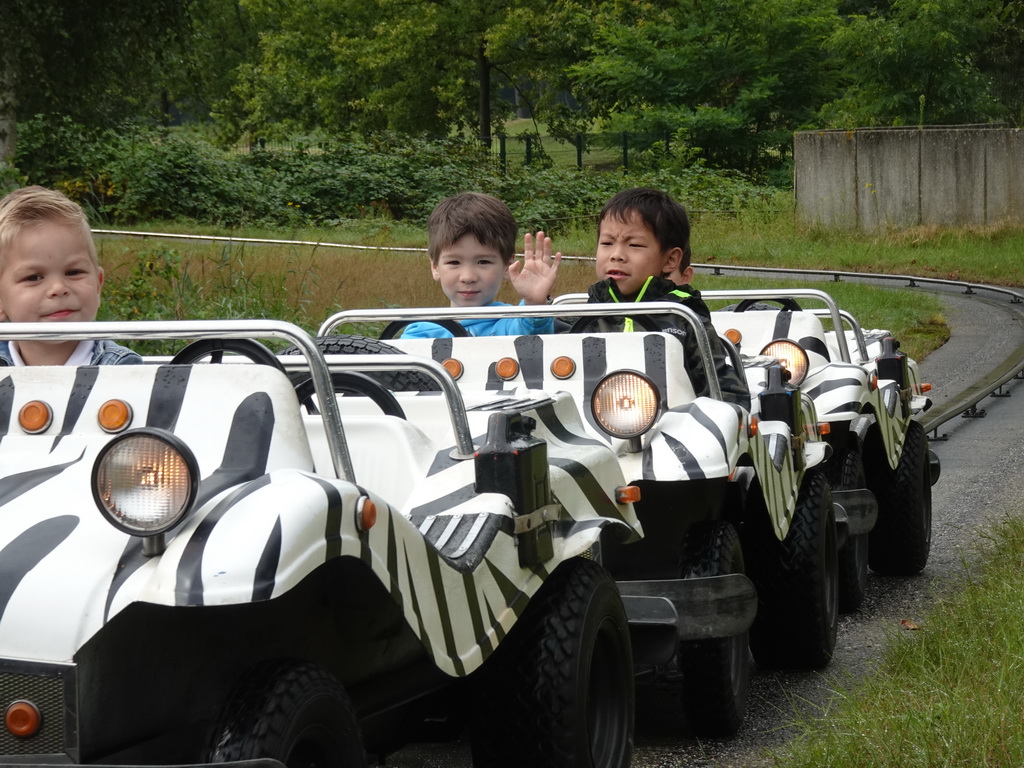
{"x":418,"y":68}
{"x":731,"y":80}
{"x":728,"y":79}
{"x":388,"y":176}
{"x":70,"y":156}
{"x":152,"y":175}
{"x":555,"y":199}
{"x":919,"y":63}
{"x":10,"y":179}
{"x":98,"y":63}
{"x":151,"y":290}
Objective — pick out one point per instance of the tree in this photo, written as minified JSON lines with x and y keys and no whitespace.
{"x":918,"y":63}
{"x":411,"y":66}
{"x":94,"y":62}
{"x":221,"y":39}
{"x":1003,"y":60}
{"x":729,"y":77}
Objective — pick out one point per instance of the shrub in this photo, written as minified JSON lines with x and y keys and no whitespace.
{"x":148,"y":175}
{"x":171,"y":178}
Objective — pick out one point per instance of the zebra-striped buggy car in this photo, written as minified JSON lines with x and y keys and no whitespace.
{"x":869,"y":394}
{"x":714,"y":487}
{"x":207,"y":563}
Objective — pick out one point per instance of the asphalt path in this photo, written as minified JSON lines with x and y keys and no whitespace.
{"x":981,"y":482}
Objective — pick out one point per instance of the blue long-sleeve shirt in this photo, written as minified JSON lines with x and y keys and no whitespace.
{"x":483,"y":326}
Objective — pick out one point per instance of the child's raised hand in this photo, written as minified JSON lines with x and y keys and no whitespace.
{"x":534,"y":276}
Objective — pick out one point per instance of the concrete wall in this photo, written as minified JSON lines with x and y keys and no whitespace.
{"x":873,"y":179}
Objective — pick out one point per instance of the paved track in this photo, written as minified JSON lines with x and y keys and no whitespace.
{"x":981,"y":481}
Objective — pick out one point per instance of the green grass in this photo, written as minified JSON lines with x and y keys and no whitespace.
{"x":766,"y":238}
{"x":947,"y":694}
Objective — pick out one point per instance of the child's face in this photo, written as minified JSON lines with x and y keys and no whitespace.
{"x":48,"y":274}
{"x":629,"y":253}
{"x":470,"y":273}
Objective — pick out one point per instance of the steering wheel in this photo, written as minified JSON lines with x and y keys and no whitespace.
{"x":391,"y":329}
{"x":646,"y":322}
{"x":215,"y":349}
{"x":786,"y":302}
{"x":351,"y":383}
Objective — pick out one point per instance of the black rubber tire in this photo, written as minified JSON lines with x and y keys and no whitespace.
{"x":797,"y":583}
{"x":845,"y":471}
{"x":294,"y":712}
{"x":902,"y":537}
{"x":716,"y":673}
{"x":558,"y":692}
{"x":396,"y":381}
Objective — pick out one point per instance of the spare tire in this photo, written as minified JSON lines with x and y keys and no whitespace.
{"x":396,"y":381}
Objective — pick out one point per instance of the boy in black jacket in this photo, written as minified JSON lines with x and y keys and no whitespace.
{"x":643,"y":236}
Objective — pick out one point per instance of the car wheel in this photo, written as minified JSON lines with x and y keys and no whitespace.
{"x":296,"y":713}
{"x":846,"y":472}
{"x":558,"y":692}
{"x":716,"y":673}
{"x":902,"y":537}
{"x":396,"y":381}
{"x":797,"y":583}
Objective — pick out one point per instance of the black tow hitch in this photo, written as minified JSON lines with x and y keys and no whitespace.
{"x":515,"y":463}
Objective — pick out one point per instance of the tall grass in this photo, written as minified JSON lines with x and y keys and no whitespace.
{"x":304,"y":284}
{"x":946,"y":694}
{"x":765,"y":238}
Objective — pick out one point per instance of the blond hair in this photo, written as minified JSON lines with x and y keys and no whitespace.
{"x":30,"y":206}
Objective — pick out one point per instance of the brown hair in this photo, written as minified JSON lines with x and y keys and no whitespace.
{"x":472,"y":213}
{"x":29,"y":206}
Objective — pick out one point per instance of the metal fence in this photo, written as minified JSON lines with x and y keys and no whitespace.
{"x":602,"y":151}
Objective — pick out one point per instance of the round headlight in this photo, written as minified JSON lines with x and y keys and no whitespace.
{"x":625,"y":404}
{"x":791,"y":355}
{"x":145,"y":481}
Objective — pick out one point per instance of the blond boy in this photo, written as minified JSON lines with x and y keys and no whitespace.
{"x":49,"y":273}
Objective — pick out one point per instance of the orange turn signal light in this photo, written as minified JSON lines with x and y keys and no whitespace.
{"x":824,"y":428}
{"x":366,"y":514}
{"x":926,"y":388}
{"x":627,"y":494}
{"x":23,"y":719}
{"x":733,"y":335}
{"x":506,"y":368}
{"x":563,"y":367}
{"x":115,"y":416}
{"x":454,"y":367}
{"x":35,"y":416}
{"x":752,"y":429}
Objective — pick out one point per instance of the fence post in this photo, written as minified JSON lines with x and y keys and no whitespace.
{"x":579,"y":150}
{"x":529,"y":149}
{"x":625,"y":150}
{"x":502,"y":157}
